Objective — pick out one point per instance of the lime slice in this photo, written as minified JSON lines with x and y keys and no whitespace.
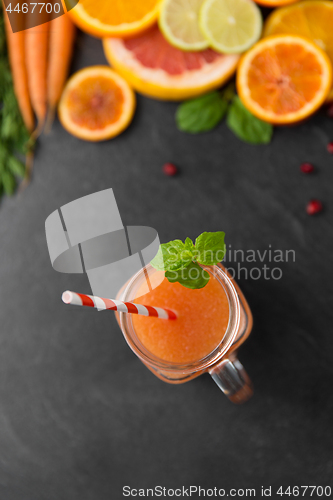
{"x":179,"y":23}
{"x":230,"y":26}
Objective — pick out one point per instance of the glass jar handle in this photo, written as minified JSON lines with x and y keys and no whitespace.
{"x":231,"y":377}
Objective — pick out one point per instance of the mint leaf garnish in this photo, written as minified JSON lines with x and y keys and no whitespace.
{"x":192,"y":276}
{"x":201,"y":114}
{"x":172,"y":256}
{"x":246,"y":126}
{"x":210,"y":248}
{"x":180,"y":261}
{"x":189,"y":245}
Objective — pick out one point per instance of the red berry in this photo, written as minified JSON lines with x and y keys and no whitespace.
{"x":314,"y":207}
{"x":170,"y":169}
{"x":307,"y":168}
{"x":330,"y":147}
{"x":330,"y":111}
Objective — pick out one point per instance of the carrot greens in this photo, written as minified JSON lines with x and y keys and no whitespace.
{"x":14,"y":137}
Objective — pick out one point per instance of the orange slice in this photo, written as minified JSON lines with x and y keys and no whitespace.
{"x":313,"y":19}
{"x":284,"y":78}
{"x":155,"y":68}
{"x":96,"y":104}
{"x":114,"y":17}
{"x":275,"y":3}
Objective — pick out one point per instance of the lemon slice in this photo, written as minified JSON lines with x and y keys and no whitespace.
{"x":230,"y":26}
{"x":179,"y":23}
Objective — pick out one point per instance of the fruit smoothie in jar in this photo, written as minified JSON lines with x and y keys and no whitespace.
{"x":212,"y":322}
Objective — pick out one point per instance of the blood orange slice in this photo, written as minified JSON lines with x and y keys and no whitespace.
{"x":96,"y":104}
{"x":155,"y":68}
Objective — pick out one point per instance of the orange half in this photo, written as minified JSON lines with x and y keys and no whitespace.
{"x":96,"y":104}
{"x":284,"y":79}
{"x":313,"y":19}
{"x":119,"y":18}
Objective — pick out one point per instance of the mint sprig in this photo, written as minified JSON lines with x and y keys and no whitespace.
{"x":204,"y":113}
{"x":210,"y":248}
{"x":180,"y":261}
{"x":172,"y":256}
{"x":192,"y":276}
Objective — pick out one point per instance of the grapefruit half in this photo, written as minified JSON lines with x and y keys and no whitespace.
{"x":157,"y":69}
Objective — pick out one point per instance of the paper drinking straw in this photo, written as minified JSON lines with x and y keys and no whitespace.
{"x":79,"y":299}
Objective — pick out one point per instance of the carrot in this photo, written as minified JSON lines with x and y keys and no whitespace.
{"x":15,"y":44}
{"x":36,"y":56}
{"x":62,"y":35}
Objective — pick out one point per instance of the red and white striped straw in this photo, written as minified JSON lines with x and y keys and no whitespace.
{"x":79,"y":299}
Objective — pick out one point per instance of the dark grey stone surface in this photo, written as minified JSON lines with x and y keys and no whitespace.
{"x":80,"y":416}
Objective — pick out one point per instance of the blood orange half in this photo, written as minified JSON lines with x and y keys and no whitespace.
{"x":155,"y":68}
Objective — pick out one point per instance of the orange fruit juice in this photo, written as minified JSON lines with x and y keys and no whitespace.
{"x":202,"y":320}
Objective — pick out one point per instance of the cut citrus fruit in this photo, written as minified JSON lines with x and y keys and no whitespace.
{"x":118,"y":18}
{"x":179,"y":23}
{"x":155,"y":68}
{"x":284,"y":78}
{"x":96,"y":104}
{"x":313,"y":19}
{"x":275,"y":3}
{"x":231,"y":26}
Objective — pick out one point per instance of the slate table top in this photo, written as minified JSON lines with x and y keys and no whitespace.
{"x":80,"y":416}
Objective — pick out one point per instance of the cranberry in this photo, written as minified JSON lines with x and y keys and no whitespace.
{"x":314,"y":207}
{"x":170,"y":169}
{"x":307,"y":168}
{"x":330,"y":147}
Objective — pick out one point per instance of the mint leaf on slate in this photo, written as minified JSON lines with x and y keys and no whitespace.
{"x":192,"y":276}
{"x":201,"y":114}
{"x":210,"y":248}
{"x":246,"y":126}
